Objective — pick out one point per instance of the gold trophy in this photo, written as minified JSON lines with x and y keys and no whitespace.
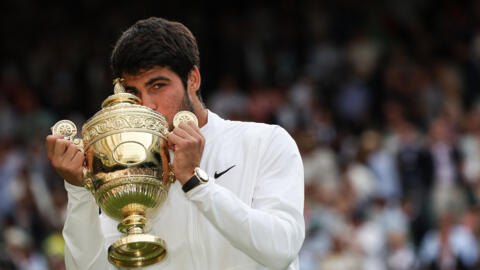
{"x":127,"y":170}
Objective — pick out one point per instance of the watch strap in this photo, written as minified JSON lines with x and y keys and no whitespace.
{"x":191,"y":183}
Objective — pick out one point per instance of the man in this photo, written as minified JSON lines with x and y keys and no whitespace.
{"x":248,"y":215}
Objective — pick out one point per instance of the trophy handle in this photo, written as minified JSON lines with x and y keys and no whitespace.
{"x":87,"y":181}
{"x":68,"y":130}
{"x":171,"y":175}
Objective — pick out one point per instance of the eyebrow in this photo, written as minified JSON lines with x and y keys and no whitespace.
{"x":159,"y":78}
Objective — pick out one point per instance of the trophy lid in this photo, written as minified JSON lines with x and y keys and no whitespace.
{"x":122,"y":112}
{"x":120,"y":95}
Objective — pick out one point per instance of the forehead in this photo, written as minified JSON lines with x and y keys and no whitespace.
{"x":148,"y":74}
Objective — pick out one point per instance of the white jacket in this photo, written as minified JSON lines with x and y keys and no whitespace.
{"x":251,"y":217}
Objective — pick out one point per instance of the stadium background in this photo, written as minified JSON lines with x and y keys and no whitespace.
{"x":381,"y":97}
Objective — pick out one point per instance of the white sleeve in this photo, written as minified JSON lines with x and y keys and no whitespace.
{"x":271,"y":231}
{"x":84,"y":241}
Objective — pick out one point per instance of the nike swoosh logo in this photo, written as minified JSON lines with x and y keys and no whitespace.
{"x":217,"y":175}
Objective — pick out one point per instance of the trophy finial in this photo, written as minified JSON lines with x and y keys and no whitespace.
{"x":120,"y":95}
{"x":118,"y":86}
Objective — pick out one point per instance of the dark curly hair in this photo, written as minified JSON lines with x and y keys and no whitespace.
{"x":156,"y":42}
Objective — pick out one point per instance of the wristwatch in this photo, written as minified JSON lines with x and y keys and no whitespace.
{"x":199,"y":177}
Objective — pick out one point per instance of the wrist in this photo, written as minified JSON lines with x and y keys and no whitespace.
{"x":183,"y":178}
{"x":199,"y":177}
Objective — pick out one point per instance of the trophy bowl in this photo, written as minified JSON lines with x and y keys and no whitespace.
{"x":127,"y":170}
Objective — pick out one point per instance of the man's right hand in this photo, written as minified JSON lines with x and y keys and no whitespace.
{"x":66,"y":158}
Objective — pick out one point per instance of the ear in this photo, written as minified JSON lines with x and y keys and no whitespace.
{"x":194,"y":81}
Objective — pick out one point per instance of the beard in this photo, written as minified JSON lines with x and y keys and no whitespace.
{"x":185,"y":105}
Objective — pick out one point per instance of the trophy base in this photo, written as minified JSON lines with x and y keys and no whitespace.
{"x":137,"y":250}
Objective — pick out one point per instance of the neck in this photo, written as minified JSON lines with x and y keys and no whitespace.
{"x":201,"y":113}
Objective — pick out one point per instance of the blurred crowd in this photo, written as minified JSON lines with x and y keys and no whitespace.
{"x":382,"y":98}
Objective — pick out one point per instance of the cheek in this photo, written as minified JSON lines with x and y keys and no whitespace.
{"x":168,"y":105}
{"x":167,"y":109}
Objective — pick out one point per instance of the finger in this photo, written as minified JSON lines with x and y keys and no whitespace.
{"x":192,"y":129}
{"x":78,"y":159}
{"x":56,"y":136}
{"x":182,"y":132}
{"x":195,"y":137}
{"x":174,"y":139}
{"x":70,"y":153}
{"x":75,"y":167}
{"x":50,"y":144}
{"x":193,"y":125}
{"x":60,"y":148}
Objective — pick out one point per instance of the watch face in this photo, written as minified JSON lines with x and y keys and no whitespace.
{"x":203,"y":175}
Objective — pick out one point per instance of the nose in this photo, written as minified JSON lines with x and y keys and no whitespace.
{"x":148,"y":102}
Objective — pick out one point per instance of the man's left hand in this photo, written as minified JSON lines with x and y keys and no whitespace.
{"x":188,"y":144}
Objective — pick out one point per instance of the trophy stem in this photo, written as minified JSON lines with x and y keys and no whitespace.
{"x":136,"y":249}
{"x":135,"y":230}
{"x":132,"y":224}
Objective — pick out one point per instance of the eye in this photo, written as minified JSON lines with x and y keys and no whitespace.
{"x":158,"y":85}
